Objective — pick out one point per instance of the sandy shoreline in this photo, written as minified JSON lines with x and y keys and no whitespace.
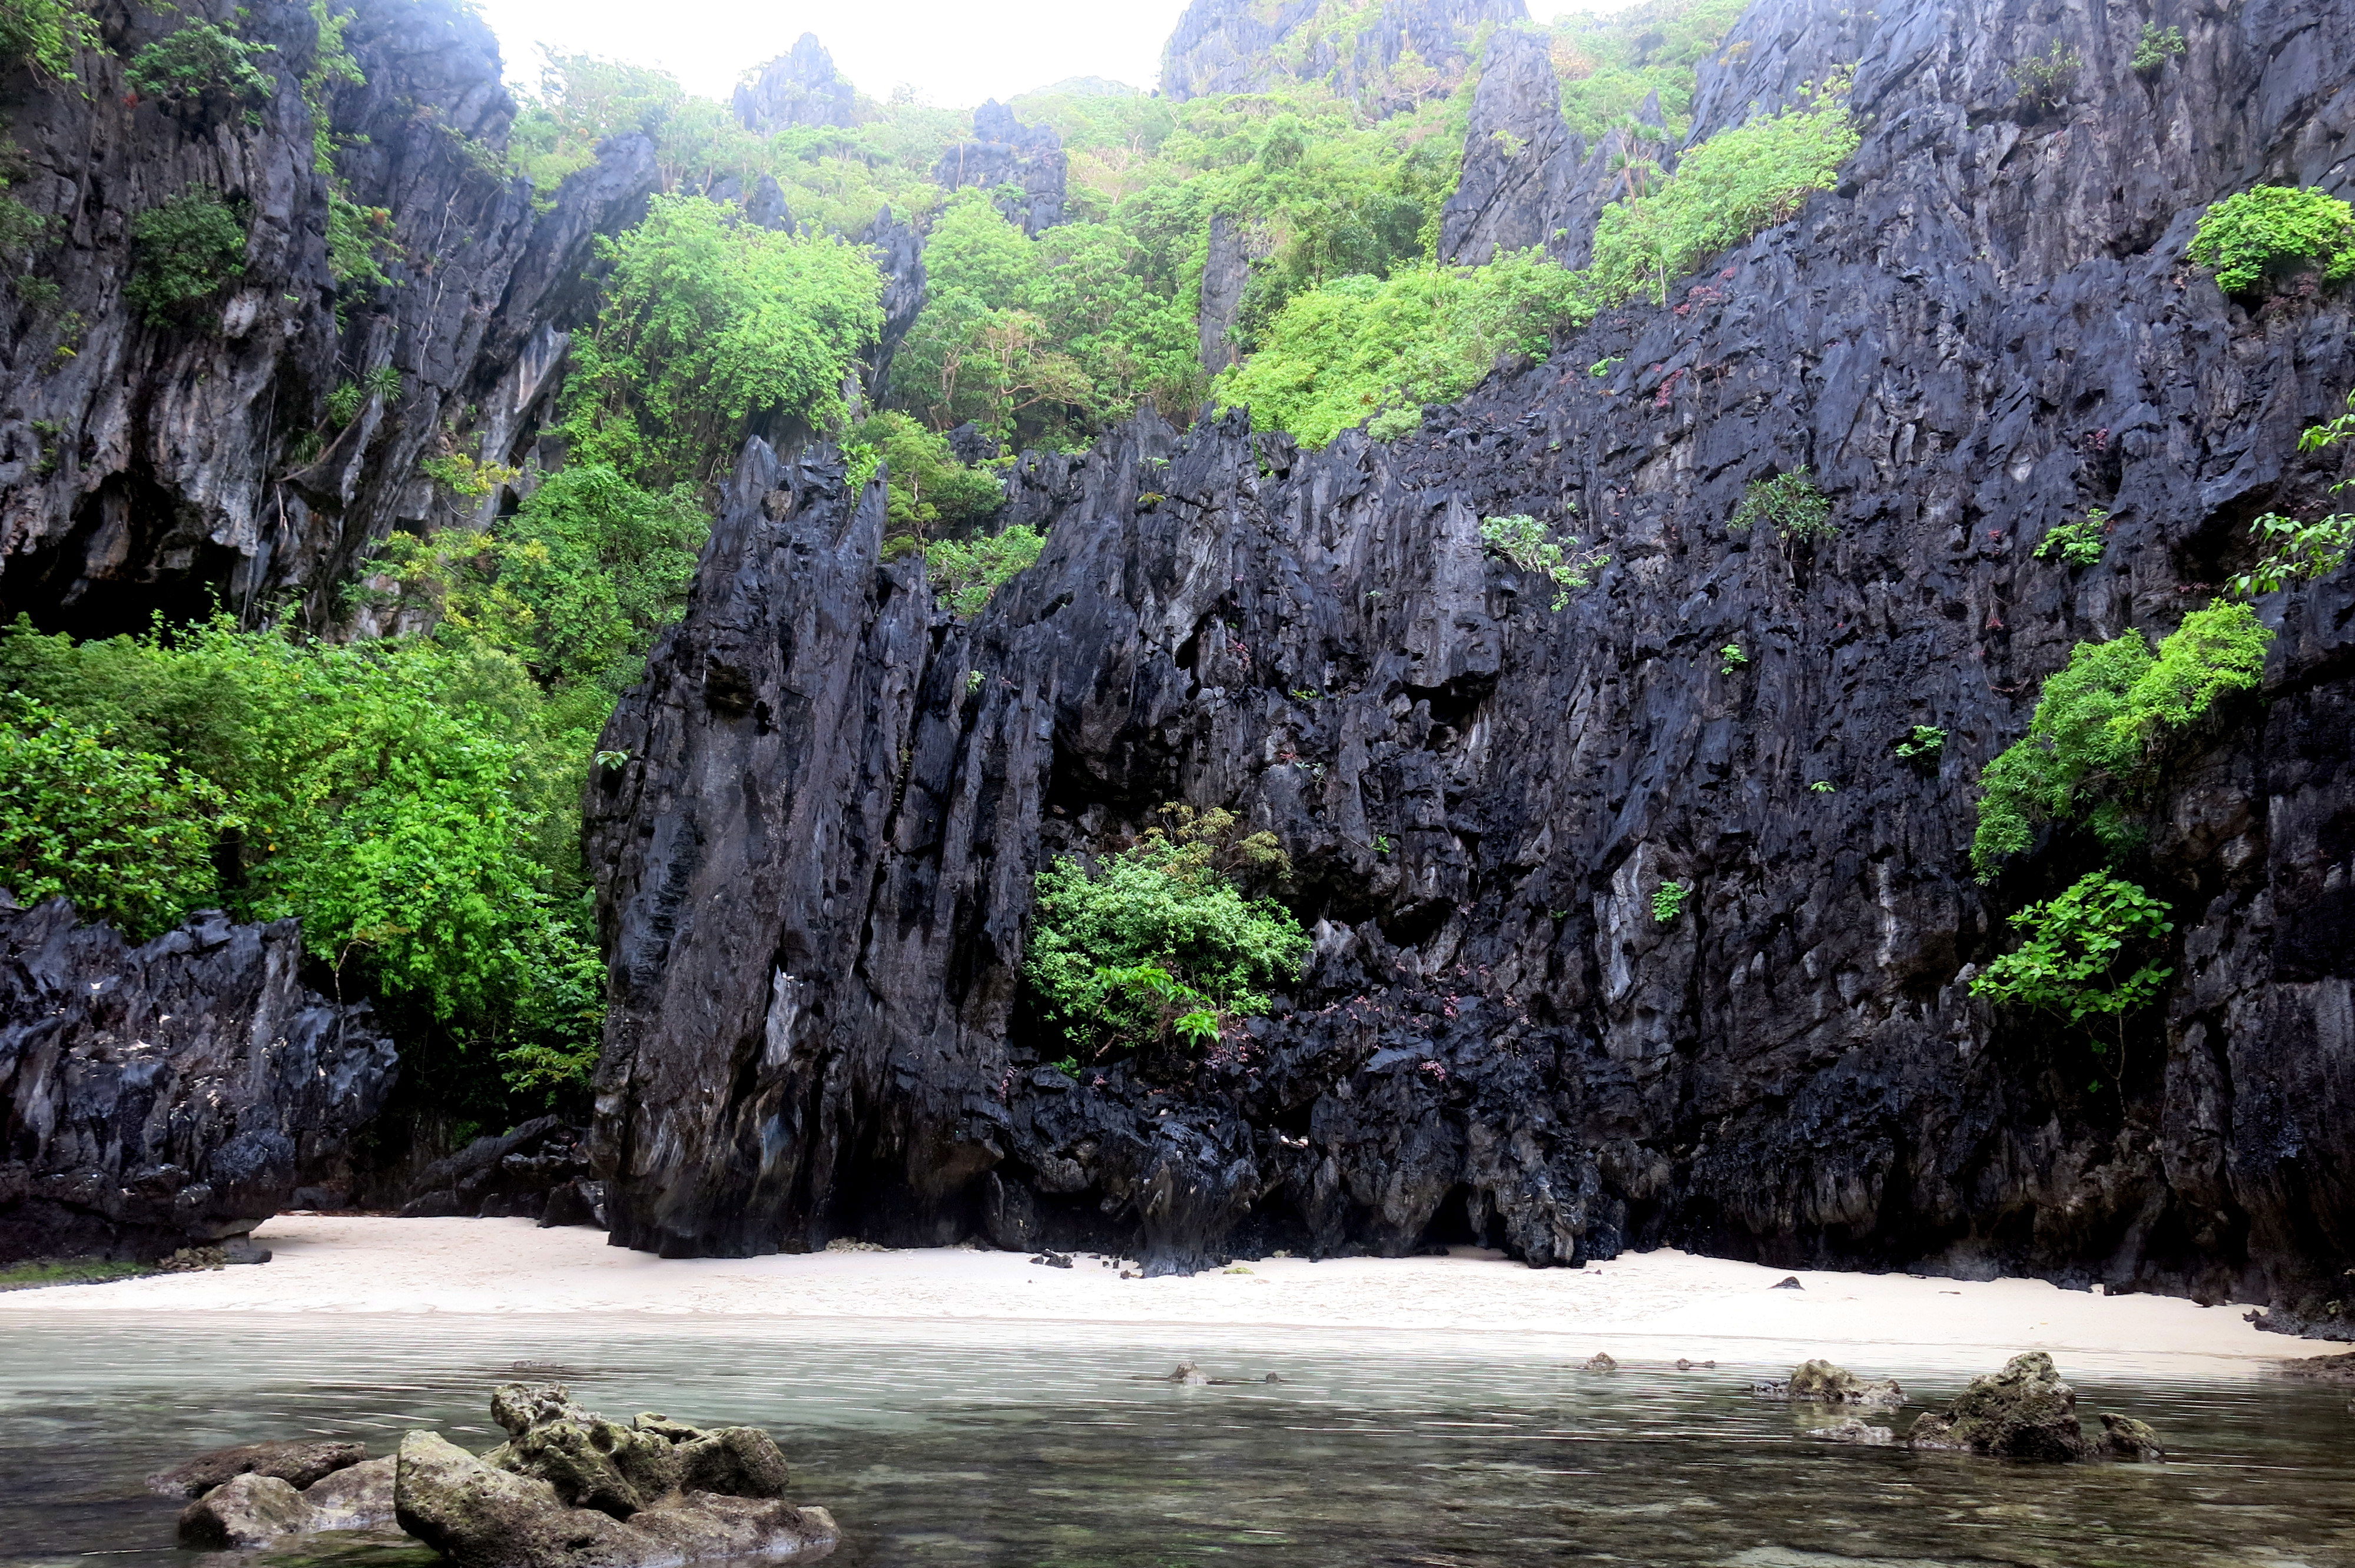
{"x":500,"y":1267}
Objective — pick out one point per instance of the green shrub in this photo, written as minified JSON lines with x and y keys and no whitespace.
{"x":965,"y":572}
{"x":45,"y":34}
{"x":1730,"y":658}
{"x":182,"y":252}
{"x":1668,"y":901}
{"x":2080,"y":541}
{"x":2296,"y":549}
{"x":929,"y":487}
{"x":2267,"y":230}
{"x":706,"y":319}
{"x":2157,"y":45}
{"x":1159,"y":948}
{"x":1790,"y":504}
{"x":1530,"y":546}
{"x":200,"y":58}
{"x":1925,"y":745}
{"x":2083,"y":955}
{"x":123,"y":833}
{"x":2098,"y":722}
{"x":353,"y":234}
{"x":2046,"y":80}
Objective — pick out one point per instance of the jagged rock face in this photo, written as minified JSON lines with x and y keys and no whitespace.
{"x":821,"y":850}
{"x":1226,"y":271}
{"x":149,"y":467}
{"x":899,"y":249}
{"x":167,"y":1094}
{"x":1528,"y":179}
{"x":1005,"y":152}
{"x":799,"y":87}
{"x":1250,"y":46}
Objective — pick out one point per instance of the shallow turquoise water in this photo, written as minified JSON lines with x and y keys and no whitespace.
{"x":1038,"y":1449}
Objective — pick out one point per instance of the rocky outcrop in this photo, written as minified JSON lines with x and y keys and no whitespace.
{"x":1521,"y":160}
{"x":570,"y":1489}
{"x":801,"y":87}
{"x":1821,"y":1382}
{"x":818,"y":859}
{"x":538,"y":1170}
{"x":1235,"y":245}
{"x":151,"y":459}
{"x":174,"y":1093}
{"x":261,"y":1509}
{"x":897,"y":247}
{"x":1024,"y":166}
{"x":2026,"y":1412}
{"x":1249,"y":45}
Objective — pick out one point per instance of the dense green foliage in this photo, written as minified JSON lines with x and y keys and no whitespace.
{"x":929,"y":488}
{"x":2268,"y":229}
{"x":382,"y":793}
{"x":1362,"y":348}
{"x":2098,"y":722}
{"x":1611,"y":61}
{"x":183,"y":252}
{"x":1530,"y":546}
{"x":125,"y":834}
{"x":1159,"y":946}
{"x":706,"y":320}
{"x":200,"y":58}
{"x":2155,"y":48}
{"x":2085,"y":953}
{"x":45,"y":34}
{"x":1790,"y":504}
{"x":966,"y":572}
{"x":1668,"y":901}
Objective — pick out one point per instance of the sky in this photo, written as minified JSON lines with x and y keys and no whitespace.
{"x":955,"y":53}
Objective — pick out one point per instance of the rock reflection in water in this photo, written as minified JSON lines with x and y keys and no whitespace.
{"x":1034,"y":1449}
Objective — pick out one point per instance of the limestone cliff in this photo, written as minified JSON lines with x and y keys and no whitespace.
{"x":818,"y":857}
{"x":152,"y":462}
{"x":1354,"y":47}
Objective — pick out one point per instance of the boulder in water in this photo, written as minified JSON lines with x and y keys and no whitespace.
{"x":2124,"y":1437}
{"x":255,"y":1508}
{"x":1853,"y":1429}
{"x":1601,"y":1362}
{"x":2024,"y":1412}
{"x":1822,"y":1383}
{"x":298,"y":1464}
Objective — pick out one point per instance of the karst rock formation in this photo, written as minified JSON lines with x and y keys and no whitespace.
{"x":817,"y":860}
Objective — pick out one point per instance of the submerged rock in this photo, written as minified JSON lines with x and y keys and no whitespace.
{"x":1601,"y":1362}
{"x":1821,"y":1382}
{"x":2124,"y":1437}
{"x":1853,"y":1429}
{"x":296,"y":1463}
{"x":480,"y":1515}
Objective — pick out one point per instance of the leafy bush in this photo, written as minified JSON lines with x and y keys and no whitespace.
{"x":2155,"y":48}
{"x":353,"y":234}
{"x":384,"y":794}
{"x":2081,"y":958}
{"x":2267,"y":230}
{"x":2080,"y":541}
{"x":929,"y":487}
{"x":199,"y":58}
{"x":123,"y":833}
{"x":45,"y":33}
{"x":2046,"y":80}
{"x":182,"y":252}
{"x":1159,"y":945}
{"x":965,"y":572}
{"x":705,"y":321}
{"x":2305,"y":550}
{"x":2098,"y":722}
{"x":1529,"y":545}
{"x":1924,"y":746}
{"x":1790,"y":504}
{"x":1730,"y":658}
{"x":1668,"y":901}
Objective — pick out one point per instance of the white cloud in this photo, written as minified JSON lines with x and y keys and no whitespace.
{"x":953,"y":52}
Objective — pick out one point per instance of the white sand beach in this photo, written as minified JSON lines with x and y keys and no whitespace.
{"x":1661,"y":1302}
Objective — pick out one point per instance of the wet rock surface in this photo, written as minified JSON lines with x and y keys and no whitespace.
{"x":204,"y":461}
{"x":571,"y":1488}
{"x":296,"y":1462}
{"x":2026,"y":1412}
{"x":170,"y":1095}
{"x":817,"y":863}
{"x":1821,"y":1382}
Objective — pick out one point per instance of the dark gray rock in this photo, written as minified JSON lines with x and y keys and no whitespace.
{"x":1521,"y":160}
{"x":1235,"y":245}
{"x":1004,"y":153}
{"x":801,"y":87}
{"x":169,"y":1095}
{"x":817,"y":863}
{"x":298,"y":1462}
{"x":147,"y":467}
{"x":899,"y":249}
{"x":515,"y":1174}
